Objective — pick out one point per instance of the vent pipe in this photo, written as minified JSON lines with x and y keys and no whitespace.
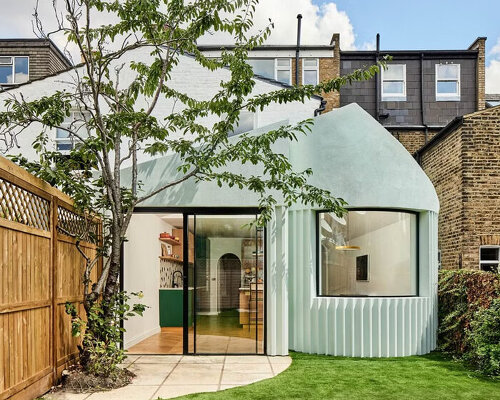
{"x":297,"y":50}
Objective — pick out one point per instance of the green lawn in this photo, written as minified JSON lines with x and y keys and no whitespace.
{"x":429,"y":377}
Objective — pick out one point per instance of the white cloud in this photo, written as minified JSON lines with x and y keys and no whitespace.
{"x":318,"y":23}
{"x":493,"y":70}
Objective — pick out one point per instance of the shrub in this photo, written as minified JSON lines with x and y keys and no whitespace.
{"x":484,"y":339}
{"x":461,"y":294}
{"x":101,"y":350}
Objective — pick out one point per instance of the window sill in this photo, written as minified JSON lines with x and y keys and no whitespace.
{"x":451,"y":98}
{"x":393,"y":98}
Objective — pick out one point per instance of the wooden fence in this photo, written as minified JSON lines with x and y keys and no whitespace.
{"x":40,"y":270}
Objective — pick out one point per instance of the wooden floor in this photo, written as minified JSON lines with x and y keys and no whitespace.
{"x":215,"y":334}
{"x":168,"y":341}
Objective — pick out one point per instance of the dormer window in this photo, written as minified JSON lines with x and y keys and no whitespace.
{"x":310,"y":71}
{"x":447,"y":82}
{"x":394,"y":82}
{"x":284,"y":70}
{"x":279,"y":69}
{"x":14,"y":70}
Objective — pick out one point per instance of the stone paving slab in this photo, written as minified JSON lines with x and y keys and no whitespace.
{"x":172,"y":376}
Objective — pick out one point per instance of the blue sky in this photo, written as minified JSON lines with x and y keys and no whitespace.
{"x":424,"y":24}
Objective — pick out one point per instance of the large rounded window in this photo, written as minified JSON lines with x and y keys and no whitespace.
{"x":367,"y":253}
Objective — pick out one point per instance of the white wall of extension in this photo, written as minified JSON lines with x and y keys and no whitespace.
{"x":142,"y":273}
{"x":361,"y":327}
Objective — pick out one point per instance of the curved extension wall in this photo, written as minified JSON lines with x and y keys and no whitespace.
{"x":360,"y":327}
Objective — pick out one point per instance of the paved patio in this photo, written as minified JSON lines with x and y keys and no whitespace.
{"x":171,"y":376}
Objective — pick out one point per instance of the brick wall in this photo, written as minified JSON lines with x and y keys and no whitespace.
{"x":480,"y":45}
{"x":465,"y":169}
{"x":443,"y":165}
{"x":481,"y":183}
{"x":412,"y":140}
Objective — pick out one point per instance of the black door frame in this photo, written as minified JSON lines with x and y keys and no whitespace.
{"x":192,"y":212}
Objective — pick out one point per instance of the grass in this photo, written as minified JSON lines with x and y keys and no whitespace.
{"x":311,"y":377}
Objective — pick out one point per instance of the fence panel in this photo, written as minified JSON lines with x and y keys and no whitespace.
{"x":40,"y":270}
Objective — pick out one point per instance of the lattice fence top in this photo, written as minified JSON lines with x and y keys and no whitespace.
{"x":73,"y":224}
{"x":20,"y":205}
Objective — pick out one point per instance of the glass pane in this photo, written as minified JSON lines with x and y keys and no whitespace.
{"x":310,"y":77}
{"x":394,"y":72}
{"x":283,"y":76}
{"x":447,"y":71}
{"x":229,"y":285}
{"x":5,"y":74}
{"x":6,"y":60}
{"x":310,"y":62}
{"x":62,"y":133}
{"x":393,"y":88}
{"x":21,"y":68}
{"x":263,"y":68}
{"x":493,"y":267}
{"x":368,"y":253}
{"x":64,"y":146}
{"x":447,"y":87}
{"x":489,"y":253}
{"x":283,"y":62}
{"x":245,"y":124}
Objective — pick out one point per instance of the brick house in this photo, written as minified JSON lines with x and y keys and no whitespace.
{"x":317,"y":63}
{"x":419,"y":93}
{"x":463,"y":163}
{"x":23,"y":60}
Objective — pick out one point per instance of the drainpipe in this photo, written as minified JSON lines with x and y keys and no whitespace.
{"x":321,"y":108}
{"x":422,"y":110}
{"x":297,"y":50}
{"x":377,"y":81}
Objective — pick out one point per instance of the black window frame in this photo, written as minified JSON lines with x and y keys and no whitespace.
{"x":318,"y":253}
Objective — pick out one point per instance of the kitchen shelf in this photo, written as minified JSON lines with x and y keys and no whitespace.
{"x":170,"y":241}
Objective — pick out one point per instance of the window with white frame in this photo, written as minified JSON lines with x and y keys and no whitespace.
{"x":14,"y":70}
{"x":284,"y":70}
{"x":310,"y":71}
{"x":279,"y":69}
{"x":246,"y":123}
{"x":447,"y":82}
{"x":489,"y":258}
{"x":75,"y":122}
{"x":394,"y":82}
{"x":263,"y":67}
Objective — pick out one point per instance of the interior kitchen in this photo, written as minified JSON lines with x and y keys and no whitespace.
{"x":224,"y":279}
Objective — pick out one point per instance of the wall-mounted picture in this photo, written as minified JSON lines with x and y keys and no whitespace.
{"x":362,"y":268}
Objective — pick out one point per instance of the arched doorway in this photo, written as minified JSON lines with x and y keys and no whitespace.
{"x":229,"y":272}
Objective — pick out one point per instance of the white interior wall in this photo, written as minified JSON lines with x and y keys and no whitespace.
{"x":391,"y":250}
{"x":142,"y":273}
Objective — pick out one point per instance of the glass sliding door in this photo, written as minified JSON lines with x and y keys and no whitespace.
{"x":228,"y":278}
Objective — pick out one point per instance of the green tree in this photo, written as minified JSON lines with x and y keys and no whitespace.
{"x":118,"y":116}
